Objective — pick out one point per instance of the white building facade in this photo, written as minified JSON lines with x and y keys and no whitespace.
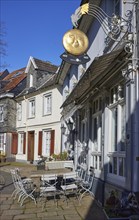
{"x":101,"y":100}
{"x":38,"y":114}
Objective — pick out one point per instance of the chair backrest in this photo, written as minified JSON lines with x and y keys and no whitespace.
{"x":82,"y":172}
{"x":69,"y":164}
{"x":49,"y":179}
{"x":14,"y":174}
{"x":90,"y":179}
{"x":70,"y":175}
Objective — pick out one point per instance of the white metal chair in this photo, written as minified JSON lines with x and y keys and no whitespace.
{"x":81,"y":175}
{"x":69,"y":186}
{"x":17,"y":189}
{"x":48,"y":187}
{"x":23,"y":189}
{"x":86,"y":186}
{"x":69,"y":164}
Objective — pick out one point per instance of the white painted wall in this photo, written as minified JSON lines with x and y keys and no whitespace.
{"x":40,"y":122}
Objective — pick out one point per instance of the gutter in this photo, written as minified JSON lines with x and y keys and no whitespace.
{"x":7,"y":95}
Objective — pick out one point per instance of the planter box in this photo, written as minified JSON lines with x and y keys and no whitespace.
{"x":50,"y":165}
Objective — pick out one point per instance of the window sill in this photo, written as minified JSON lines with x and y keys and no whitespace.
{"x":116,"y":180}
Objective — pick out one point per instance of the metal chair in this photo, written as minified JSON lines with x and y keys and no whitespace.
{"x":23,"y":189}
{"x":69,"y":186}
{"x":86,"y":186}
{"x":48,"y":187}
{"x":81,"y":175}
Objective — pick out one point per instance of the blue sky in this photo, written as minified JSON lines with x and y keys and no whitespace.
{"x":35,"y":28}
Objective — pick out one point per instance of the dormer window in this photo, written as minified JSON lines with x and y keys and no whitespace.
{"x":31,"y":80}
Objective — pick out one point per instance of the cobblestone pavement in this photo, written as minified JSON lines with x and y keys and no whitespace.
{"x":10,"y":209}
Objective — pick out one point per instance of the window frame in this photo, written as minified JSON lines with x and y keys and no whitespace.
{"x":97,"y":134}
{"x":118,"y":152}
{"x":46,"y":147}
{"x":47,"y":110}
{"x":20,"y":142}
{"x":31,"y":114}
{"x":2,"y":142}
{"x":19,"y":111}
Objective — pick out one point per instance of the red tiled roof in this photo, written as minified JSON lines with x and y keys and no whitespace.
{"x":14,"y":79}
{"x":10,"y":75}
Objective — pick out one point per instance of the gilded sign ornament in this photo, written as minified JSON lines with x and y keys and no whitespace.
{"x":78,"y":14}
{"x":75,"y":42}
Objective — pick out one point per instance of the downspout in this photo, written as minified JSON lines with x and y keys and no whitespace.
{"x":26,"y":128}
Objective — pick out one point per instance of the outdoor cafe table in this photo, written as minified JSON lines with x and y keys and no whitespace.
{"x":37,"y":177}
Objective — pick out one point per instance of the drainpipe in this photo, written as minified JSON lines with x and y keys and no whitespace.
{"x":26,"y":126}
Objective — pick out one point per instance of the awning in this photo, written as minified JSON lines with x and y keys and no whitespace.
{"x":96,"y":71}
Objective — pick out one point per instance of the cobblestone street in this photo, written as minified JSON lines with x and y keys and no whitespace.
{"x":10,"y":209}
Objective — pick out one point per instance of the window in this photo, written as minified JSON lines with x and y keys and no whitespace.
{"x":19,"y":111}
{"x":1,"y":113}
{"x":2,"y":145}
{"x":31,"y":108}
{"x":114,"y":129}
{"x":97,"y":161}
{"x":20,"y":143}
{"x":47,"y":104}
{"x":97,"y":133}
{"x":97,"y":130}
{"x":46,"y":143}
{"x":117,"y":165}
{"x":118,"y":131}
{"x":31,"y":80}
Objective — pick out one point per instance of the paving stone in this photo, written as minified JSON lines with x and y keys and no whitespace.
{"x":32,"y":219}
{"x":73,"y":217}
{"x":54,"y":218}
{"x":7,"y":202}
{"x":67,"y":212}
{"x":87,"y":210}
{"x":83,"y":211}
{"x":33,"y":210}
{"x":43,"y":214}
{"x":25,"y":216}
{"x":16,"y":206}
{"x":4,"y":217}
{"x":3,"y":207}
{"x":12,"y":212}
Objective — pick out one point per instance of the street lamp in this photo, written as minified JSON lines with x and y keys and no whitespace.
{"x":70,"y":125}
{"x":63,"y":129}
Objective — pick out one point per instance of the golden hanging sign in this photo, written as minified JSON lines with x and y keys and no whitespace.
{"x":75,"y":42}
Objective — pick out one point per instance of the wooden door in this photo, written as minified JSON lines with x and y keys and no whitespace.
{"x":31,"y":146}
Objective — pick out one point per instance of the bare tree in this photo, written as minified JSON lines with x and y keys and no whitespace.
{"x":3,"y":45}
